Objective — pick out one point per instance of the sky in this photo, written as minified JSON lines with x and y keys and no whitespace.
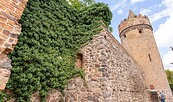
{"x":160,"y":13}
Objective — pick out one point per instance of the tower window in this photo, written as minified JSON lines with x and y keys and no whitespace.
{"x":140,"y":31}
{"x":79,"y":61}
{"x":124,"y":35}
{"x":149,"y":57}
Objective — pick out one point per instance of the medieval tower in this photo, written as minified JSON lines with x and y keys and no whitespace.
{"x":137,"y":38}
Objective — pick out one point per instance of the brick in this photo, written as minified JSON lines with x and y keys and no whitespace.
{"x":19,"y":13}
{"x":15,"y":41}
{"x":7,"y":45}
{"x":6,"y":32}
{"x":2,"y":49}
{"x":16,"y":15}
{"x":4,"y":72}
{"x":8,"y":16}
{"x":7,"y":5}
{"x":7,"y":1}
{"x":21,"y":5}
{"x":3,"y":36}
{"x":17,"y":6}
{"x":10,"y":22}
{"x":8,"y":27}
{"x":3,"y":2}
{"x":2,"y":7}
{"x":15,"y":1}
{"x":1,"y":41}
{"x":16,"y":29}
{"x":3,"y":19}
{"x":1,"y":30}
{"x":14,"y":35}
{"x":2,"y":24}
{"x":23,"y":1}
{"x":10,"y":40}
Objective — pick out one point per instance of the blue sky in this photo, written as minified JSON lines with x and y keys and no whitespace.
{"x":160,"y":13}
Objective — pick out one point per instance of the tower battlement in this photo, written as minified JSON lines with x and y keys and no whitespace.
{"x":134,"y":21}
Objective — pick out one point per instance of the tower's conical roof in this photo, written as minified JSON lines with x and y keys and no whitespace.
{"x":131,"y":14}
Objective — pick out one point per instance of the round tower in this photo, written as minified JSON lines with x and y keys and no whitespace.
{"x":137,"y":38}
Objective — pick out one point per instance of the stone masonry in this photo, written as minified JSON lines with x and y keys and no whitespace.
{"x":10,"y":13}
{"x":111,"y":75}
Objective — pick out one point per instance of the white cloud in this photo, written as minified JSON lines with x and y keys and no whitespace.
{"x":122,"y":5}
{"x":164,"y":35}
{"x":120,"y":11}
{"x":164,"y":13}
{"x":119,"y":7}
{"x":135,"y":1}
{"x":167,"y":60}
{"x":168,"y":4}
{"x":145,"y":11}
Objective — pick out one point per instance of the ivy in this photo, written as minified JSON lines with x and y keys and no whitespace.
{"x":3,"y":96}
{"x":52,"y":33}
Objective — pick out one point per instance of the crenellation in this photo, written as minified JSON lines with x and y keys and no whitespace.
{"x":133,"y":20}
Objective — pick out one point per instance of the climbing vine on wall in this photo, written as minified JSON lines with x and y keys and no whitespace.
{"x":52,"y":33}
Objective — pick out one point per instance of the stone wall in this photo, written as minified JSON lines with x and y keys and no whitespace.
{"x":10,"y":13}
{"x":111,"y":75}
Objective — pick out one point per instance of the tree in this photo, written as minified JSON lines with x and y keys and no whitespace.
{"x":88,"y":2}
{"x":169,"y":75}
{"x":80,"y":3}
{"x":75,"y":4}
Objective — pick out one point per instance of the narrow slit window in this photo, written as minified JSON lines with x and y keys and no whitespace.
{"x":79,"y":61}
{"x":124,"y":35}
{"x":149,"y":57}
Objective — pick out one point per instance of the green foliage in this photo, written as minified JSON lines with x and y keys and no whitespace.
{"x":52,"y":33}
{"x":96,"y":12}
{"x":169,"y":75}
{"x":110,"y":28}
{"x":3,"y":96}
{"x":88,"y":2}
{"x":78,"y":4}
{"x":171,"y":85}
